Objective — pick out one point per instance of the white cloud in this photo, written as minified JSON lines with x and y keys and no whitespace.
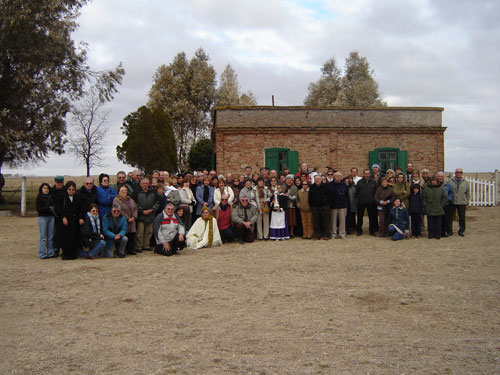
{"x":424,"y":53}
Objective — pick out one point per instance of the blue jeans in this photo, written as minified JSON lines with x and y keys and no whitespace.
{"x":395,"y":234}
{"x":120,"y":244}
{"x":95,"y":251}
{"x":45,"y":244}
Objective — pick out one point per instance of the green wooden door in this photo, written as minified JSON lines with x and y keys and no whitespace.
{"x":388,"y":158}
{"x":279,"y":158}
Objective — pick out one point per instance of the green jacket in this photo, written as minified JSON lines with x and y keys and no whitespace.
{"x":461,"y":193}
{"x":434,"y":200}
{"x":146,"y":201}
{"x":402,"y":191}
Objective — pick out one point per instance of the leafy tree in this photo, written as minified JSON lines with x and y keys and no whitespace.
{"x":200,"y":155}
{"x":87,"y":137}
{"x":248,"y":99}
{"x":185,"y":90}
{"x":355,"y":88}
{"x":326,"y":92}
{"x":41,"y":72}
{"x":150,"y":141}
{"x":359,"y":88}
{"x":228,"y":92}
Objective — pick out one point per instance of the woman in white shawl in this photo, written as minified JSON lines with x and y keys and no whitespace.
{"x":204,"y":232}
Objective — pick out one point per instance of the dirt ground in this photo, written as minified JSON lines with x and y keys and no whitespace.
{"x":357,"y":306}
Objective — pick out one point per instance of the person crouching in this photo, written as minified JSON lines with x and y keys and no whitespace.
{"x":204,"y":232}
{"x":399,"y":227}
{"x":169,"y":232}
{"x":114,"y":229}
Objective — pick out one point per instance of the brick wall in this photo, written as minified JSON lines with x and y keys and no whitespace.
{"x":242,"y":135}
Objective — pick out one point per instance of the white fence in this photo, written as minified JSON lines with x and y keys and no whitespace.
{"x":483,"y":192}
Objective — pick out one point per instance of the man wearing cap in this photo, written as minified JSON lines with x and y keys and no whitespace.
{"x":58,"y":192}
{"x":460,"y":200}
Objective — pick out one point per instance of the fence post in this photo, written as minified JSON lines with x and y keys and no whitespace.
{"x":496,"y":187}
{"x":23,"y":196}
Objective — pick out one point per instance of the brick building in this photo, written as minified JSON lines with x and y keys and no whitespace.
{"x":338,"y":137}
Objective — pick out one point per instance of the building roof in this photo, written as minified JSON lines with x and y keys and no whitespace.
{"x":227,"y":117}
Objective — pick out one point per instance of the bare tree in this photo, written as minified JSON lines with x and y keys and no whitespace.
{"x":86,"y":137}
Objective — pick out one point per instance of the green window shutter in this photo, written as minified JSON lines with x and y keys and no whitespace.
{"x":271,"y":158}
{"x":402,"y":159}
{"x":372,"y":159}
{"x":293,"y":161}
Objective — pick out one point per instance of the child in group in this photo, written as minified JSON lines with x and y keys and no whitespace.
{"x":416,"y":210}
{"x":400,"y":221}
{"x":278,"y":228}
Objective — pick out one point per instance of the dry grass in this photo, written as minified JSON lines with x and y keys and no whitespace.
{"x":359,"y":306}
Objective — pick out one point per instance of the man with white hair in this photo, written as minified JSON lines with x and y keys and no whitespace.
{"x":168,"y":231}
{"x":461,"y":196}
{"x":303,"y":169}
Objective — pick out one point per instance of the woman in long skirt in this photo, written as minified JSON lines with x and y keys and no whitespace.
{"x":278,"y":227}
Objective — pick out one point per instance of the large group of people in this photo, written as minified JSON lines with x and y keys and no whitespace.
{"x":165,"y":213}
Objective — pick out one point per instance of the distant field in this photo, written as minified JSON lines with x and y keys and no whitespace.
{"x":12,"y":190}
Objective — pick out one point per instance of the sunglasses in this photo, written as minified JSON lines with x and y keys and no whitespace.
{"x":223,"y":199}
{"x":89,"y":183}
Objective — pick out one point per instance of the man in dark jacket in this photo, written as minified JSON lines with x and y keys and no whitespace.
{"x":133,"y":184}
{"x":318,"y":201}
{"x":87,"y":195}
{"x":365,"y":190}
{"x":337,"y":192}
{"x":58,"y":193}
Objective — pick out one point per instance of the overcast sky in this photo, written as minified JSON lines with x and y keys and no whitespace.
{"x":441,"y":53}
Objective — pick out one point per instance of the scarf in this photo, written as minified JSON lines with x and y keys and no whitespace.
{"x":94,"y":221}
{"x":223,"y":207}
{"x":210,"y":223}
{"x":261,"y":191}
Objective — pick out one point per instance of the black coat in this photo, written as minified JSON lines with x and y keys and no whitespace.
{"x":89,"y":237}
{"x":337,"y":193}
{"x":85,"y":199}
{"x":416,"y":204}
{"x":365,"y":191}
{"x":58,"y":195}
{"x":318,"y":195}
{"x":44,"y":205}
{"x":70,"y":234}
